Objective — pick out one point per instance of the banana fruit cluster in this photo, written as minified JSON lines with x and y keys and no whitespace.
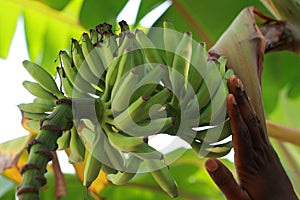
{"x":125,"y":89}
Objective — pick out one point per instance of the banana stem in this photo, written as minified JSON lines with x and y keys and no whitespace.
{"x":283,"y":133}
{"x":40,"y":150}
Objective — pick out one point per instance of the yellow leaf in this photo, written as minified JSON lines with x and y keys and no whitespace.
{"x":13,"y":156}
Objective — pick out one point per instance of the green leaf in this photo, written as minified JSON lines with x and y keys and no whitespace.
{"x":205,"y":19}
{"x":94,"y":12}
{"x":145,"y":7}
{"x":279,"y":72}
{"x":56,"y":4}
{"x":75,"y":189}
{"x":34,"y":33}
{"x":7,"y":190}
{"x":9,"y":13}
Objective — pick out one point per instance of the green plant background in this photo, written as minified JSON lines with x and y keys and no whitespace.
{"x":49,"y":25}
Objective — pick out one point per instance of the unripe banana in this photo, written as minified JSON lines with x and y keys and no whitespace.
{"x":115,"y":157}
{"x":163,"y":177}
{"x":214,"y":134}
{"x":128,"y":143}
{"x":91,"y":56}
{"x":180,"y":66}
{"x":120,"y":98}
{"x":74,"y":77}
{"x":132,"y":167}
{"x":81,"y":62}
{"x":91,"y":170}
{"x":35,"y":116}
{"x":150,"y":82}
{"x":93,"y":37}
{"x":198,"y":68}
{"x":209,"y":85}
{"x":151,"y":53}
{"x":77,"y":148}
{"x":147,"y":152}
{"x":108,"y":170}
{"x":149,"y":127}
{"x":216,"y":109}
{"x":35,"y":107}
{"x":132,"y":114}
{"x":38,"y":91}
{"x":63,"y":142}
{"x":171,"y":39}
{"x":208,"y":150}
{"x":106,"y":50}
{"x":108,"y":155}
{"x":44,"y":101}
{"x":42,"y":77}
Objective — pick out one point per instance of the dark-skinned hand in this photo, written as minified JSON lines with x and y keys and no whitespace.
{"x":259,"y":170}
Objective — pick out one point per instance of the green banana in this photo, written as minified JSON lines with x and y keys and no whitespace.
{"x":171,"y":38}
{"x":115,"y":157}
{"x":147,"y":85}
{"x":44,"y":102}
{"x":147,"y":152}
{"x":74,"y":77}
{"x":152,"y":55}
{"x":181,"y":64}
{"x":209,"y":85}
{"x":105,"y":50}
{"x":93,"y":37}
{"x":216,"y":109}
{"x":128,"y":144}
{"x":63,"y":142}
{"x":108,"y":155}
{"x":132,"y":167}
{"x":163,"y":177}
{"x":35,"y":116}
{"x":43,"y":78}
{"x":214,"y":134}
{"x":108,"y":170}
{"x":91,"y":56}
{"x":132,"y":114}
{"x":77,"y":148}
{"x":91,"y":170}
{"x":149,"y":127}
{"x":81,"y":62}
{"x":198,"y":66}
{"x":208,"y":150}
{"x":121,"y":92}
{"x":38,"y":91}
{"x":35,"y":107}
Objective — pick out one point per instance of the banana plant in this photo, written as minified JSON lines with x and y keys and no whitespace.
{"x":80,"y":78}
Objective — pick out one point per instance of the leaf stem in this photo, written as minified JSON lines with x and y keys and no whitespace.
{"x":283,"y":133}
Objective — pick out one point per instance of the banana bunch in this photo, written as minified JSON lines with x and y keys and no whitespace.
{"x":124,"y":89}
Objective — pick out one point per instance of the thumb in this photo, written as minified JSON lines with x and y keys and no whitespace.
{"x":224,"y":179}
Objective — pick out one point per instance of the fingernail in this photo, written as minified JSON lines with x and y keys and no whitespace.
{"x":240,"y":85}
{"x":232,"y":100}
{"x":211,"y":165}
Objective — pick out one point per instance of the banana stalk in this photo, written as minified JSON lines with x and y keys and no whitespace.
{"x":40,"y":150}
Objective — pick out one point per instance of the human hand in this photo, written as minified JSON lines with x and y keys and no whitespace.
{"x":259,"y":171}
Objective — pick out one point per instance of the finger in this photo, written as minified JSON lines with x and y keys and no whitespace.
{"x":224,"y":179}
{"x":249,"y":116}
{"x":241,"y":139}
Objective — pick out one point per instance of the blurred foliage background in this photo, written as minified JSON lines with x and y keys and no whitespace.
{"x":49,"y":25}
